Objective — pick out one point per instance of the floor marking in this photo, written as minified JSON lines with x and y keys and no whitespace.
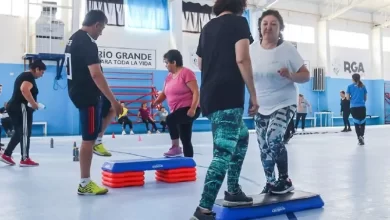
{"x":138,"y":155}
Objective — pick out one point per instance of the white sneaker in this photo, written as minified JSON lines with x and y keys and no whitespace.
{"x":123,"y":132}
{"x":131,"y":132}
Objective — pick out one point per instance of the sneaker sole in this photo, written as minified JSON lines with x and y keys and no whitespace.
{"x":91,"y":194}
{"x":100,"y":154}
{"x":169,"y":156}
{"x":284,"y":191}
{"x":26,"y":165}
{"x":234,"y":204}
{"x":4,"y":161}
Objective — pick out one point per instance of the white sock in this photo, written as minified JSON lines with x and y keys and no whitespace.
{"x":98,"y":140}
{"x":84,"y":181}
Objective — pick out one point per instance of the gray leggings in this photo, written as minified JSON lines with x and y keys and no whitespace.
{"x":270,"y":131}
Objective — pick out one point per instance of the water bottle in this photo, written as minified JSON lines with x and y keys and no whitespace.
{"x":40,"y":106}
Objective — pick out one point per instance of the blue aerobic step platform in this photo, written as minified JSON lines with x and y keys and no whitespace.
{"x":265,"y":205}
{"x":120,"y":166}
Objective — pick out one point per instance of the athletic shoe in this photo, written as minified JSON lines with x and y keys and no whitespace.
{"x":1,"y":145}
{"x":283,"y":186}
{"x":100,"y":150}
{"x":174,"y":152}
{"x":91,"y":189}
{"x":237,"y":199}
{"x":267,"y":188}
{"x":7,"y":159}
{"x":28,"y":163}
{"x":361,"y":140}
{"x":199,"y":215}
{"x":123,"y":132}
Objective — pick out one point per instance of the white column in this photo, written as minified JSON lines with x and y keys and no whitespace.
{"x":77,"y":14}
{"x":175,"y":23}
{"x":254,"y":16}
{"x":376,"y":54}
{"x":323,"y":46}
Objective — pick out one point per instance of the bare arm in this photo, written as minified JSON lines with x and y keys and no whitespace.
{"x":347,"y":96}
{"x":193,"y":85}
{"x":161,"y":97}
{"x":302,"y":76}
{"x":200,"y":63}
{"x":101,"y":82}
{"x":25,"y":89}
{"x":244,"y":64}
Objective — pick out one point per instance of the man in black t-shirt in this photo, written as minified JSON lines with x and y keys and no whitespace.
{"x":89,"y":92}
{"x":20,"y":108}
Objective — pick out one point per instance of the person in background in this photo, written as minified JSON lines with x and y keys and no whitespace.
{"x":90,"y":94}
{"x":6,"y":120}
{"x":226,"y":67}
{"x":357,"y":94}
{"x":20,"y":108}
{"x":345,"y":111}
{"x":277,"y":68}
{"x":162,"y":114}
{"x":303,"y":106}
{"x":144,"y":115}
{"x":124,"y":120}
{"x":182,"y":93}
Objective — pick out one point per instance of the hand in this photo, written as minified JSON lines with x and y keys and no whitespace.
{"x":253,"y":106}
{"x":34,"y":106}
{"x":117,"y":108}
{"x":191,"y":112}
{"x":284,"y":73}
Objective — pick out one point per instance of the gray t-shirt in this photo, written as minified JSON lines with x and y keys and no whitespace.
{"x":162,"y":115}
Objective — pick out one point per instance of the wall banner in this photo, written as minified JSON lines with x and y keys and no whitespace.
{"x":115,"y":57}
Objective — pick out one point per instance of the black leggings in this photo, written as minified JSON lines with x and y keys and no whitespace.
{"x":125,"y":121}
{"x":346,"y":119}
{"x":147,"y":121}
{"x":290,"y":129}
{"x":180,"y":126}
{"x":22,"y":118}
{"x":299,"y":116}
{"x":359,"y":119}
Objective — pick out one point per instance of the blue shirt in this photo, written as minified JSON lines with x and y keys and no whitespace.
{"x":357,"y":95}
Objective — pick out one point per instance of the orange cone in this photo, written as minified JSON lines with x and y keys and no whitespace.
{"x":113,"y":135}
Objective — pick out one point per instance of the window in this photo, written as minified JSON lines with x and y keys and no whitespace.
{"x":12,"y":7}
{"x":151,"y":14}
{"x":348,"y":39}
{"x":299,"y":33}
{"x":386,"y":44}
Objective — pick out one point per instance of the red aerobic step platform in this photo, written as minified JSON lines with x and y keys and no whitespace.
{"x":128,"y":173}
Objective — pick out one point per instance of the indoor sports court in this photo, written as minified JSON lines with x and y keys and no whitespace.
{"x":346,"y":175}
{"x":158,"y":95}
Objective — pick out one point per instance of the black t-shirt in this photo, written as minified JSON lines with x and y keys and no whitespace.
{"x":222,"y":86}
{"x":81,"y":51}
{"x":17,"y":97}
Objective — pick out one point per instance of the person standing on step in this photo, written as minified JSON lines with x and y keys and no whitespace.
{"x":182,"y":93}
{"x":277,"y":68}
{"x":86,"y":84}
{"x":303,"y":105}
{"x":20,"y":109}
{"x":225,"y":64}
{"x":345,"y":111}
{"x":357,"y":94}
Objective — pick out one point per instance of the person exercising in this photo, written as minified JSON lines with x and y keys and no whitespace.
{"x":20,"y":109}
{"x":86,"y":83}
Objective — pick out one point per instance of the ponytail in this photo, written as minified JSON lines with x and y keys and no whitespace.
{"x":360,"y":84}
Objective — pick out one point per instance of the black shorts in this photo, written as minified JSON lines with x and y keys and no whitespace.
{"x":91,"y":121}
{"x":358,"y":114}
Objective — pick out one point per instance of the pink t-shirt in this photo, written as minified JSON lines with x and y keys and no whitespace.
{"x":179,"y":95}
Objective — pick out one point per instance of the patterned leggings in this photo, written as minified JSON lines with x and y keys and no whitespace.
{"x":270,"y":131}
{"x":230,"y":136}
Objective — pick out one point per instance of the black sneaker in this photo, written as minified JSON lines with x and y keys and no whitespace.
{"x":344,"y":130}
{"x":349,"y":129}
{"x":361,"y":140}
{"x":238,"y":199}
{"x":282,"y":186}
{"x":267,"y":188}
{"x":199,"y":215}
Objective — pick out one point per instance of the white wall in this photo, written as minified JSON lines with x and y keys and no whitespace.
{"x":12,"y":39}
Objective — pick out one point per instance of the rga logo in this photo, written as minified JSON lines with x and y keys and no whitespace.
{"x":278,"y":209}
{"x":353,"y":67}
